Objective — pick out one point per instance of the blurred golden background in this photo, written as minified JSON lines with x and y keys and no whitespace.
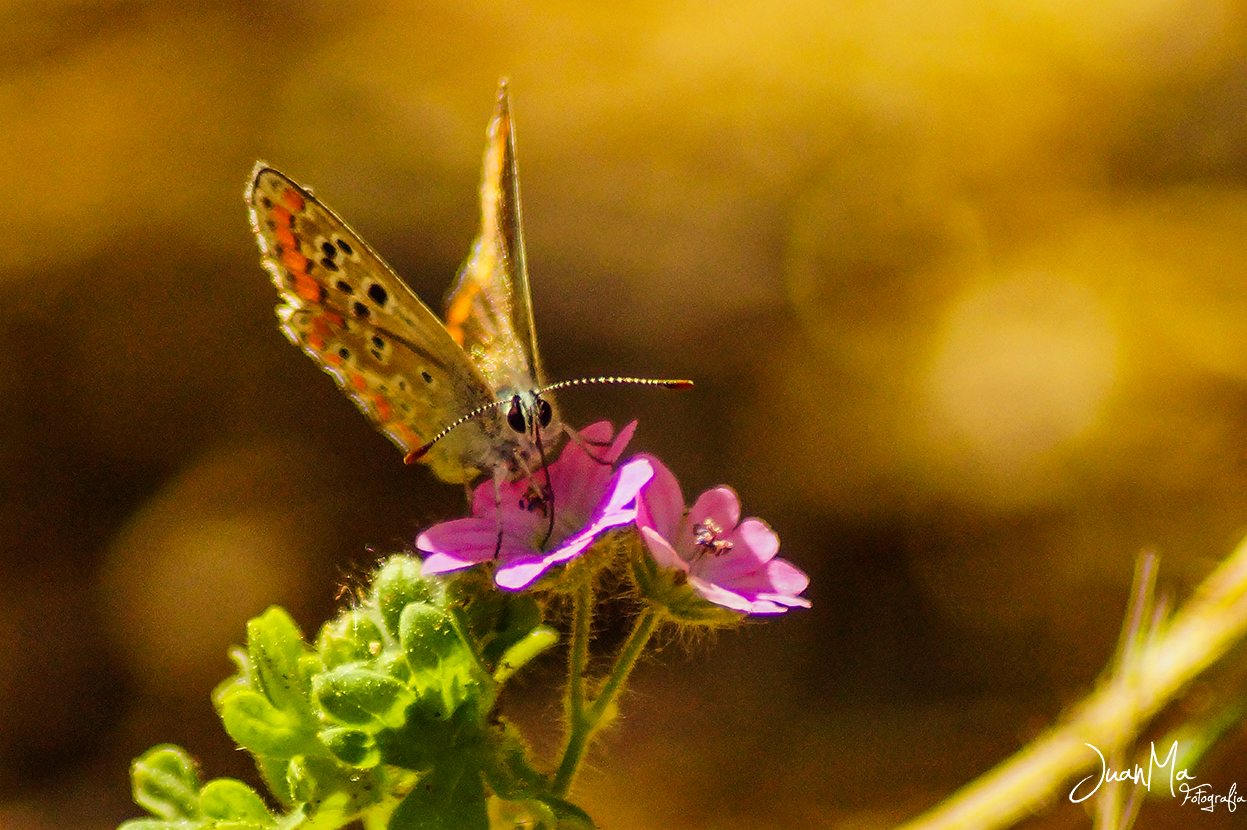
{"x":960,"y":284}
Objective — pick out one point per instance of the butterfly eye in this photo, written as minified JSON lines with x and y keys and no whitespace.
{"x":515,"y":415}
{"x":545,"y":412}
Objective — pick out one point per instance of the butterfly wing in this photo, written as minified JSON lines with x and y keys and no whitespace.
{"x":489,"y":309}
{"x":352,"y":314}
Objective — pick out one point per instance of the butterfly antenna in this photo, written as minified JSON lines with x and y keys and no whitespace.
{"x":419,"y":452}
{"x":563,"y":384}
{"x":665,"y":384}
{"x":422,"y":450}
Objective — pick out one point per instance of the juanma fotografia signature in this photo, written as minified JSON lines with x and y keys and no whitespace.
{"x":1201,"y":795}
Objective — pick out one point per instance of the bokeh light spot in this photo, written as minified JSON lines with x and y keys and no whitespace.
{"x":1021,"y":366}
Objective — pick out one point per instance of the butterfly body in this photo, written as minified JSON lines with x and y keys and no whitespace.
{"x":461,"y":395}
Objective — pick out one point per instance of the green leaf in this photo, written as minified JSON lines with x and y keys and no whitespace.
{"x":398,"y":583}
{"x":433,"y":735}
{"x":351,"y":637}
{"x":274,"y":771}
{"x":244,"y":678}
{"x":448,"y":798}
{"x":356,"y":695}
{"x":351,"y":746}
{"x":506,"y":766}
{"x":275,"y":646}
{"x":427,"y":635}
{"x":394,"y":663}
{"x":500,"y":620}
{"x":226,"y":799}
{"x":263,"y":729}
{"x":145,"y":824}
{"x":333,"y":795}
{"x":166,"y":783}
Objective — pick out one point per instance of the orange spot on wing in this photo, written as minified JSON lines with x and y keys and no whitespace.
{"x":357,"y":382}
{"x":320,"y":334}
{"x":462,"y":306}
{"x":282,"y":217}
{"x":381,"y":409}
{"x":405,"y":434}
{"x":307,"y":288}
{"x":459,"y":311}
{"x":294,"y":260}
{"x":285,"y":238}
{"x":293,"y":200}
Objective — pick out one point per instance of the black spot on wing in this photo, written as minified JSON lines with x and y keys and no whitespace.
{"x":378,"y":294}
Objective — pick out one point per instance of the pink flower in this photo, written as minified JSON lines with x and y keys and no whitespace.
{"x":726,"y":561}
{"x":586,"y":494}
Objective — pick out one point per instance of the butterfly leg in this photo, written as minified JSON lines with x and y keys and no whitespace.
{"x":546,"y":491}
{"x":498,"y":479}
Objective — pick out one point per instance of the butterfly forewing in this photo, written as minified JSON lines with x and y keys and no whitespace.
{"x":352,"y":314}
{"x":489,"y":309}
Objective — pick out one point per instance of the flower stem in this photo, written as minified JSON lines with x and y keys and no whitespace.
{"x":585,"y":722}
{"x":1212,"y":621}
{"x":628,"y":656}
{"x":578,"y":659}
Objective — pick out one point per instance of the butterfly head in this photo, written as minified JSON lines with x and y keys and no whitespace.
{"x":531,"y":417}
{"x":510,"y":436}
{"x":531,"y":430}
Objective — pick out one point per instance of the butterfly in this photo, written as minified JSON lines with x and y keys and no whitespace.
{"x":466,"y":394}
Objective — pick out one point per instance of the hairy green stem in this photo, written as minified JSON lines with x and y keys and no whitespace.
{"x":628,"y":657}
{"x":578,"y":659}
{"x":583,"y":723}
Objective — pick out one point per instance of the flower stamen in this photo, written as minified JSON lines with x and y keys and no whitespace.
{"x":706,"y":536}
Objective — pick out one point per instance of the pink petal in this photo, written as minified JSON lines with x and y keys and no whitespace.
{"x":619,"y":509}
{"x":787,"y":578}
{"x":758,"y":537}
{"x":580,"y":475}
{"x":719,"y":595}
{"x":517,"y":575}
{"x":781,"y":600}
{"x":622,"y":440}
{"x":629,"y":480}
{"x":456,"y":544}
{"x":521,"y":571}
{"x":753,"y":545}
{"x":441,"y":563}
{"x":739,"y":602}
{"x":661,"y":504}
{"x":774,"y":583}
{"x":720,"y":505}
{"x":661,"y":551}
{"x":599,"y":432}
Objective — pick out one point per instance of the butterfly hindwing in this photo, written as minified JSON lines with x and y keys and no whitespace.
{"x":353,"y":315}
{"x":489,"y":308}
